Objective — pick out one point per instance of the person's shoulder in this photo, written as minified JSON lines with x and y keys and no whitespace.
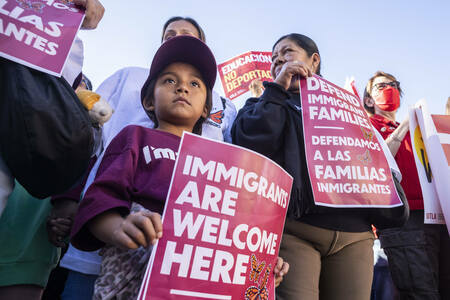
{"x":140,"y":134}
{"x":122,"y":81}
{"x":135,"y":131}
{"x":135,"y":70}
{"x":128,"y":137}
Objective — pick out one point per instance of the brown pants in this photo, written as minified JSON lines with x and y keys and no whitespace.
{"x":338,"y":264}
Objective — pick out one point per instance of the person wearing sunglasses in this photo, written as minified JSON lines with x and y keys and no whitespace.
{"x":417,"y":253}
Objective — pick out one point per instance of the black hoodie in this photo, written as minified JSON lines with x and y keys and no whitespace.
{"x":272,"y":126}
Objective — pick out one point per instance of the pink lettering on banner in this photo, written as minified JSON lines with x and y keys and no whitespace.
{"x":38,"y":33}
{"x":237,"y":73}
{"x":346,"y":163}
{"x":222,"y":225}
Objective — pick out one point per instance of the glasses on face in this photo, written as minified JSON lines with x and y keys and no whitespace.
{"x":382,"y":85}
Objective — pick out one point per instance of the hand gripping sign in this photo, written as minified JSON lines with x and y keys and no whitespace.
{"x":222,"y":225}
{"x":346,"y":163}
{"x":39,"y":33}
{"x":237,"y":73}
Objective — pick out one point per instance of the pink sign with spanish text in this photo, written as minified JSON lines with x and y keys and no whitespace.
{"x":346,"y":163}
{"x":237,"y":73}
{"x":222,"y":225}
{"x":39,"y":33}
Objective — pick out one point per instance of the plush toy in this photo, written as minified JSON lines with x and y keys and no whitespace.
{"x":99,"y":110}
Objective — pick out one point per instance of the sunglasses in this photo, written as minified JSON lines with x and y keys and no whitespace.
{"x":382,"y":85}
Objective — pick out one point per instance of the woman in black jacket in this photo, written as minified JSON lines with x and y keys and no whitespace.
{"x":328,"y":249}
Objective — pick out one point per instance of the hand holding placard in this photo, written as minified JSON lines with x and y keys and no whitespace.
{"x":224,"y":214}
{"x":39,"y":34}
{"x":93,"y":14}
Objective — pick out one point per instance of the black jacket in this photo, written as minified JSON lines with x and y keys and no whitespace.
{"x":272,"y":126}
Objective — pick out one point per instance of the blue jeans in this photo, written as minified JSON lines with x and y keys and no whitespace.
{"x":79,"y":286}
{"x":382,"y":286}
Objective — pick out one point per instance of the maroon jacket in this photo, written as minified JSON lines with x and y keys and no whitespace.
{"x":136,"y":167}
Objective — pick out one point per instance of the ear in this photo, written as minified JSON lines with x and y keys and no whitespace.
{"x":148,"y":106}
{"x":315,"y":61}
{"x":369,"y":102}
{"x":205,"y":112}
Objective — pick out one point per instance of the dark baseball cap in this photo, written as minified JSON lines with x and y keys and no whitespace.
{"x":186,"y":49}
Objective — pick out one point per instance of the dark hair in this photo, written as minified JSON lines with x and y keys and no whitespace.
{"x":303,"y":42}
{"x":187,"y":19}
{"x":150,"y":96}
{"x":87,"y":82}
{"x":369,"y":86}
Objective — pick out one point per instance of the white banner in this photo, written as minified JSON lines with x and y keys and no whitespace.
{"x":433,"y":212}
{"x":438,"y":161}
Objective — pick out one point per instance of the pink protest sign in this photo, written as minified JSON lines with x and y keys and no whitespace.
{"x":222,"y":225}
{"x":38,"y":33}
{"x":237,"y":73}
{"x":346,"y":163}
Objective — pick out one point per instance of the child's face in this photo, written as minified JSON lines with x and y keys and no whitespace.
{"x":179,"y":97}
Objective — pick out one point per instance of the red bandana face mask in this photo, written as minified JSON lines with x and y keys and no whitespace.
{"x":388,"y":99}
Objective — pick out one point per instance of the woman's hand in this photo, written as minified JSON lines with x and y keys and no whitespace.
{"x":93,"y":14}
{"x":281,"y":269}
{"x":289,"y":70}
{"x":256,"y":88}
{"x":395,"y":139}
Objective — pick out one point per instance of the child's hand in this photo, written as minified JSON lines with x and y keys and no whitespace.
{"x":58,"y":229}
{"x":59,"y":222}
{"x":138,"y":229}
{"x":281,"y":269}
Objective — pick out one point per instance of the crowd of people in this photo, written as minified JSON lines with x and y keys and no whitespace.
{"x":105,"y":225}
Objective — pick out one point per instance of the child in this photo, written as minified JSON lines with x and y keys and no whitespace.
{"x":137,"y":167}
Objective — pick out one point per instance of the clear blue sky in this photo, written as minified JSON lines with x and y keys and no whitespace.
{"x":410,"y":39}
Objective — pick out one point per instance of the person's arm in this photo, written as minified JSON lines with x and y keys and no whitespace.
{"x":65,"y":206}
{"x":229,"y":116}
{"x":387,"y":153}
{"x":260,"y":124}
{"x":110,"y":190}
{"x":447,"y":107}
{"x":396,"y":137}
{"x":111,"y":86}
